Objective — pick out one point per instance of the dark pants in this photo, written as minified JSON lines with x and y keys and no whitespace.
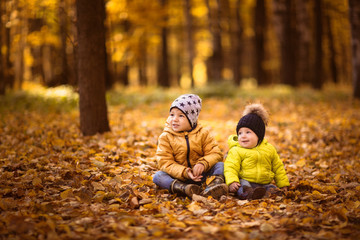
{"x":164,"y":180}
{"x":243,"y":183}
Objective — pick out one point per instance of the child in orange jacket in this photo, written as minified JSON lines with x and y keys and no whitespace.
{"x":187,"y":153}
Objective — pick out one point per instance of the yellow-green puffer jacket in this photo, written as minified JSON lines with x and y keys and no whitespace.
{"x":175,"y":149}
{"x":260,"y":164}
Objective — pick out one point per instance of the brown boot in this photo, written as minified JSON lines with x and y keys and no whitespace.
{"x":248,"y":192}
{"x":216,"y":188}
{"x":184,"y":189}
{"x":258,"y":193}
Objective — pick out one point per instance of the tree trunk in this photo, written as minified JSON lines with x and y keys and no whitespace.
{"x":163,"y":68}
{"x":125,"y":67}
{"x":37,"y":51}
{"x":260,"y":32}
{"x":332,"y":52}
{"x":92,"y":66}
{"x":19,"y":65}
{"x":355,"y":30}
{"x":64,"y":74}
{"x":237,"y":45}
{"x":142,"y":61}
{"x":303,"y":73}
{"x":317,"y":83}
{"x":215,"y":62}
{"x":285,"y":13}
{"x":2,"y":74}
{"x":190,"y":44}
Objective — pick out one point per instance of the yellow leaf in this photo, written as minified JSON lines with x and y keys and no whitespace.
{"x":337,"y":177}
{"x":301,"y":162}
{"x":37,"y":182}
{"x":31,"y":193}
{"x":66,"y":194}
{"x":308,"y":220}
{"x":310,"y":205}
{"x":266,"y":227}
{"x":98,"y":186}
{"x":316,"y":192}
{"x":178,"y":224}
{"x":193,"y":206}
{"x":331,"y":189}
{"x":209,"y":180}
{"x":110,"y":147}
{"x":59,"y":143}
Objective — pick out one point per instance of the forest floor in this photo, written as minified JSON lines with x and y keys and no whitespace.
{"x":57,"y":184}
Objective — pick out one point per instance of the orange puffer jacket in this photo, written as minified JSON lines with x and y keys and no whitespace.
{"x":179,"y":150}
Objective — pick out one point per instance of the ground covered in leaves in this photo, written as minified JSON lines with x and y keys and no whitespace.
{"x":57,"y":184}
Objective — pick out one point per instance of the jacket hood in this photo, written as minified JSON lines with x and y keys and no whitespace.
{"x":233,"y":141}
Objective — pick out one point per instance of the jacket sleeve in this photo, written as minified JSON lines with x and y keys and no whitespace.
{"x":232,"y":166}
{"x":165,"y":159}
{"x":278,"y":168}
{"x":212,"y":152}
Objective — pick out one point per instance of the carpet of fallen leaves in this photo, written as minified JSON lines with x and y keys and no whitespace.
{"x":57,"y":184}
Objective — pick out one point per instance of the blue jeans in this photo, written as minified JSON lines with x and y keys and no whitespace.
{"x":243,"y":183}
{"x":164,"y":180}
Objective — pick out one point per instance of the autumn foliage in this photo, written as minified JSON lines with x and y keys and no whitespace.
{"x":57,"y":184}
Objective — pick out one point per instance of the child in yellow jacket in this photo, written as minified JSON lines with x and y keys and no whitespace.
{"x":187,"y":153}
{"x":252,"y":162}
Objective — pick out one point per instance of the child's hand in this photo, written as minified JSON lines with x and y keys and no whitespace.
{"x":192,"y":175}
{"x":198,"y":169}
{"x":233,"y":187}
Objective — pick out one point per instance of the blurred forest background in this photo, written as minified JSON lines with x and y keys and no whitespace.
{"x":71,"y":69}
{"x":177,"y":43}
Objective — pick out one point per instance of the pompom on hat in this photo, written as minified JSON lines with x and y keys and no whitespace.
{"x":190,"y":105}
{"x":256,"y":118}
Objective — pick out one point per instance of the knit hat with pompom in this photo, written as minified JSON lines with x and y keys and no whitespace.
{"x":190,"y":105}
{"x":256,"y":118}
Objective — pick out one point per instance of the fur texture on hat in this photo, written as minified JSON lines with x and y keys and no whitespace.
{"x":256,"y":118}
{"x":190,"y":105}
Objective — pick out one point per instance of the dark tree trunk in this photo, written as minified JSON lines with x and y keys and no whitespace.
{"x":64,"y":74}
{"x":215,"y":62}
{"x":260,"y":31}
{"x":163,"y":68}
{"x":142,"y":61}
{"x":124,"y":68}
{"x":285,"y":12}
{"x":124,"y":74}
{"x":237,"y":45}
{"x":303,"y":73}
{"x":92,"y":66}
{"x":19,"y":65}
{"x":333,"y":65}
{"x":355,"y":30}
{"x":2,"y":72}
{"x":318,"y":81}
{"x":190,"y":44}
{"x":37,"y":68}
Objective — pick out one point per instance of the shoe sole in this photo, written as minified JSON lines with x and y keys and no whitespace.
{"x":258,"y":193}
{"x":216,"y":191}
{"x":194,"y":190}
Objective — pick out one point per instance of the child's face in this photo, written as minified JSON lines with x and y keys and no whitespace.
{"x":178,"y":121}
{"x":247,"y":138}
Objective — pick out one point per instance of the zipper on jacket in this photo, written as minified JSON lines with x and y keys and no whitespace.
{"x":188,"y":150}
{"x":258,"y":162}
